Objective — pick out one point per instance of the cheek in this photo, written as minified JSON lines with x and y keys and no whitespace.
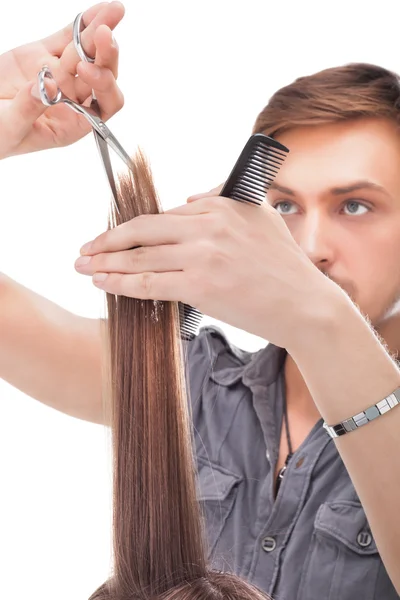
{"x":373,"y":264}
{"x":362,"y":262}
{"x":375,"y":271}
{"x":383,"y":255}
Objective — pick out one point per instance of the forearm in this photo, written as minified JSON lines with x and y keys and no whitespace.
{"x":347,"y":370}
{"x":49,"y":353}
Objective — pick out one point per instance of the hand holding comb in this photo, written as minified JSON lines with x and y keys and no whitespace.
{"x":252,"y":175}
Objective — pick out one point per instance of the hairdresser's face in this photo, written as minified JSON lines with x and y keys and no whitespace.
{"x":353,"y":234}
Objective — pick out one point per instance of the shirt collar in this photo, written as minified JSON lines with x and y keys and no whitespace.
{"x":254,"y":368}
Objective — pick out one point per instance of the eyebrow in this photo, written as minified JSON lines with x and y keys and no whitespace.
{"x":336,"y":191}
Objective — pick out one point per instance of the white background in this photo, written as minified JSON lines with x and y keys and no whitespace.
{"x":194,"y":75}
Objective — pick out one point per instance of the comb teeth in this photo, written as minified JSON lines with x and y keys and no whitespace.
{"x":249,"y":181}
{"x":255,"y":169}
{"x":190,"y":319}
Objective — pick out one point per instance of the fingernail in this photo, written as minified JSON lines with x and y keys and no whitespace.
{"x":35,"y":92}
{"x":99,"y":277}
{"x":85,"y":248}
{"x":83,"y":260}
{"x":114,"y":42}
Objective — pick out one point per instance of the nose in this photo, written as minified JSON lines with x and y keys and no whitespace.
{"x":315,"y":237}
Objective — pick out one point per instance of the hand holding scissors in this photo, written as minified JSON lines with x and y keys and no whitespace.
{"x":103,"y":136}
{"x":26,"y":124}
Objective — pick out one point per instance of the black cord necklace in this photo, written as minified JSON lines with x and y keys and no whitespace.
{"x":289,"y":442}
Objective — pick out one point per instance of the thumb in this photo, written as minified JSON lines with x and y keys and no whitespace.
{"x":17,"y":119}
{"x":214,"y":192}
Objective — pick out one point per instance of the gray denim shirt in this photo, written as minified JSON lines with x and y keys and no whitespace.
{"x":313,"y":541}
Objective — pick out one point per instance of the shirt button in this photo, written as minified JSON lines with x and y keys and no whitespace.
{"x":268,"y":544}
{"x":364,"y":539}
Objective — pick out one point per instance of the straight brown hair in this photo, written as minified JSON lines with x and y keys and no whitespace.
{"x":158,"y":538}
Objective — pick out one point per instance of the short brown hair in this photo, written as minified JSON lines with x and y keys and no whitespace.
{"x":336,"y":94}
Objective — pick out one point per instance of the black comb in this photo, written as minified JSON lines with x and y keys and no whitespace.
{"x":253,"y":173}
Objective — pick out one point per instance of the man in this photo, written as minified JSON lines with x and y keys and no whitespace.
{"x":299,"y":514}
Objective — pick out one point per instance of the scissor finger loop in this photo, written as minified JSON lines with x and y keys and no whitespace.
{"x":45,"y":72}
{"x":76,"y":34}
{"x":91,"y":115}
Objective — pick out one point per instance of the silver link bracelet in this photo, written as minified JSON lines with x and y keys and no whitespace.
{"x":365,"y":416}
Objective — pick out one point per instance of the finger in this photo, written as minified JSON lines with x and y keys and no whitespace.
{"x":110,"y":15}
{"x":145,"y":286}
{"x":157,"y":259}
{"x":107,"y":54}
{"x":146,"y":230}
{"x":102,"y":81}
{"x":17,"y":119}
{"x":203,"y":205}
{"x":214,"y":192}
{"x":107,"y":49}
{"x":57,"y":42}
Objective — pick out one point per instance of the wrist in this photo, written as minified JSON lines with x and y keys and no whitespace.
{"x":342,"y":361}
{"x":318,"y":315}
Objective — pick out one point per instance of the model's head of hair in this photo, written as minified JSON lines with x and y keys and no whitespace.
{"x":353,"y":91}
{"x":159,"y":550}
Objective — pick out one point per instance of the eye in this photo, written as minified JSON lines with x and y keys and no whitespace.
{"x":285,"y":204}
{"x":353,"y":205}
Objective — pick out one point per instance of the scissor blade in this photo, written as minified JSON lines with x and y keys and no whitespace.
{"x":105,"y":156}
{"x":116,"y":146}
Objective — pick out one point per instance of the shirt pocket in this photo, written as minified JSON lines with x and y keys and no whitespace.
{"x":217,"y":492}
{"x":342,"y":561}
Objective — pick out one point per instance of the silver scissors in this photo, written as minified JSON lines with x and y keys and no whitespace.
{"x":103,"y":136}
